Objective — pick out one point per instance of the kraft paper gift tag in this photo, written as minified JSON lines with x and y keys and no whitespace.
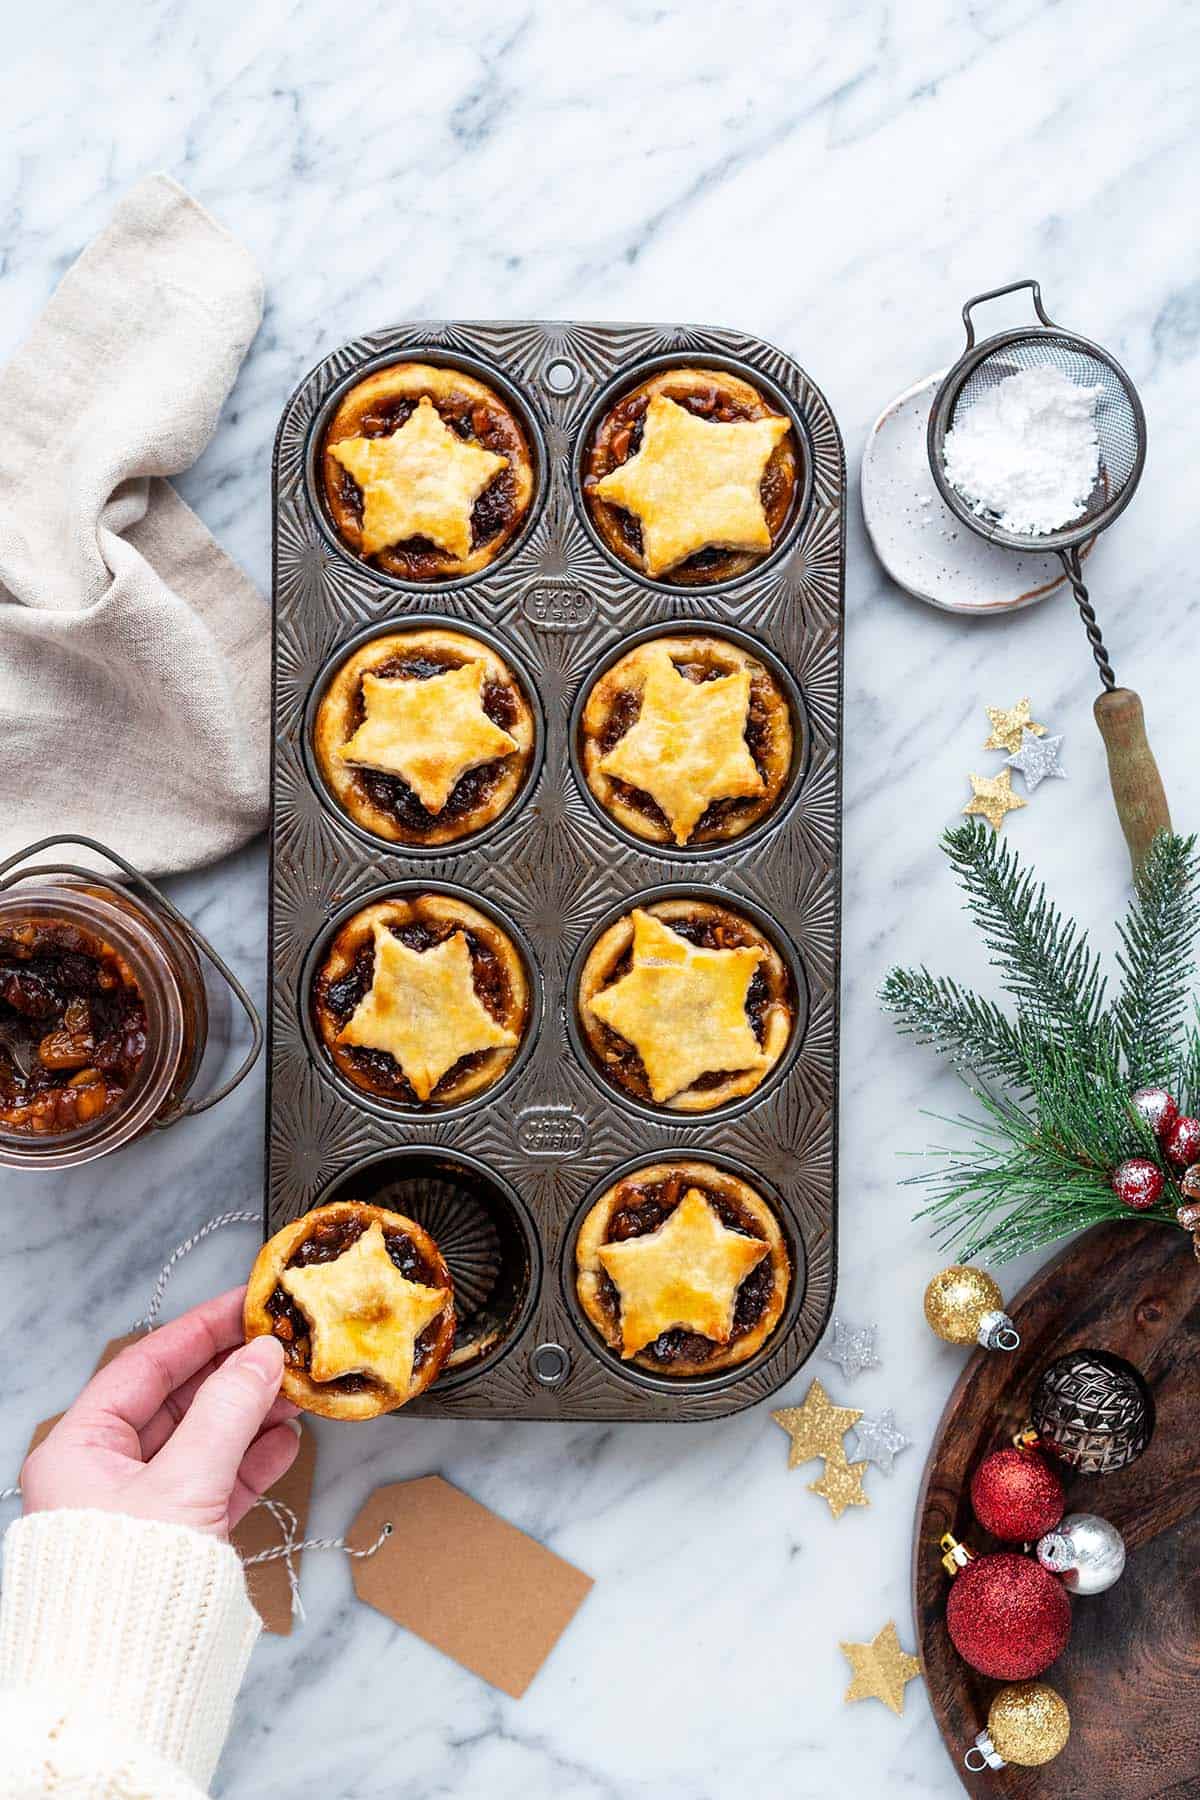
{"x":467,"y":1582}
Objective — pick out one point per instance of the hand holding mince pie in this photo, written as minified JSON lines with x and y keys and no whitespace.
{"x":362,"y":1302}
{"x":186,"y":1426}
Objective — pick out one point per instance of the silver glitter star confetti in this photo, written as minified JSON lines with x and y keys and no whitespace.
{"x":878,"y":1441}
{"x":852,"y":1349}
{"x":1037,"y":758}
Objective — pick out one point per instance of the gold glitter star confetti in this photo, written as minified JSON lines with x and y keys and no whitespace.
{"x":881,"y":1669}
{"x":841,"y":1484}
{"x":992,"y":796}
{"x":817,"y":1427}
{"x":1007,"y":725}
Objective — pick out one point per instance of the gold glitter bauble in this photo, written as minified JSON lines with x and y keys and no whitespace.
{"x":1028,"y":1724}
{"x":957,"y":1300}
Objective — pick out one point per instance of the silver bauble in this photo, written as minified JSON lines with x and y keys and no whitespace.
{"x":1086,"y":1551}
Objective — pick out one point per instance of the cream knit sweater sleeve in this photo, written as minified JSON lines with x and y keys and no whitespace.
{"x":123,"y":1643}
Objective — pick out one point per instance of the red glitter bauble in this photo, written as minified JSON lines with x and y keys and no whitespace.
{"x":1007,"y":1616}
{"x":1182,"y":1142}
{"x":1137,"y":1182}
{"x":1017,"y":1496}
{"x":1158,"y":1108}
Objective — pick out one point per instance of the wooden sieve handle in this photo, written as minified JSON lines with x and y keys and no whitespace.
{"x":1136,"y":783}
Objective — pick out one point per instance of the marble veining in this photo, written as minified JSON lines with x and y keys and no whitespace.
{"x":836,"y":179}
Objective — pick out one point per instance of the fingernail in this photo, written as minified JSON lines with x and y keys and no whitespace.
{"x":295,"y":1426}
{"x":263,"y":1356}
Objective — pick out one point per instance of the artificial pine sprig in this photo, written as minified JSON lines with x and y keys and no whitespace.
{"x":1056,"y":1081}
{"x":973,"y":1032}
{"x":1155,"y":962}
{"x":1048,"y":969}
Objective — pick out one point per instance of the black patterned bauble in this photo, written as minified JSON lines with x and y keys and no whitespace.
{"x":1093,"y":1411}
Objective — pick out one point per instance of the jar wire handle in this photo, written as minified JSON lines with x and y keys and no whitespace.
{"x":10,"y":874}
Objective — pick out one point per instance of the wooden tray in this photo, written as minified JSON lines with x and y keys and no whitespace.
{"x":1130,"y":1670}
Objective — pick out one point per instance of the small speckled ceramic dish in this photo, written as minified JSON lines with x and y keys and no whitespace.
{"x":917,"y":538}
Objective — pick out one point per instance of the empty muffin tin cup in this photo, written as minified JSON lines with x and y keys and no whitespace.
{"x":387,"y":1109}
{"x":801,"y":738}
{"x":481,"y":1227}
{"x":440,"y":358}
{"x":711,"y":895}
{"x":679,"y":1384}
{"x":393,"y":628}
{"x":770,"y":390}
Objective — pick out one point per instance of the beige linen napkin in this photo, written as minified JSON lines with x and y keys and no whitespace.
{"x":134,"y":655}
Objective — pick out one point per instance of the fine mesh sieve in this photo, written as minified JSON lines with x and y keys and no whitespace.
{"x":1121,"y":431}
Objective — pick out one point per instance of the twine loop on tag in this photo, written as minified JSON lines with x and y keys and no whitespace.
{"x":290,"y":1548}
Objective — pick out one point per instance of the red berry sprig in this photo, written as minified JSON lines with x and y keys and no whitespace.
{"x":1182,"y":1142}
{"x":1138,"y":1183}
{"x":1159,"y":1109}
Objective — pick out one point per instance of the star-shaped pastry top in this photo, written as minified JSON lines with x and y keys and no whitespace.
{"x":881,"y":1669}
{"x":878,"y":1441}
{"x":1037,"y":758}
{"x":816,"y":1428}
{"x":427,"y":732}
{"x":682,"y":1008}
{"x":422,"y":481}
{"x":852,"y":1348}
{"x":422,"y":1010}
{"x":364,"y":1315}
{"x":694,"y":484}
{"x":841,"y":1483}
{"x":1007,"y":725}
{"x":992,"y":797}
{"x":684,"y":1275}
{"x":687,"y":745}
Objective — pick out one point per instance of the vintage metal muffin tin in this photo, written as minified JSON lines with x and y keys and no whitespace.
{"x":502,"y":1181}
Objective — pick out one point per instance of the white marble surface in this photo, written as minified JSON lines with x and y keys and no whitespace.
{"x":837,"y":178}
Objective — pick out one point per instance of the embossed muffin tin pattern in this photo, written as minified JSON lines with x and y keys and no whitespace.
{"x":552,"y":1133}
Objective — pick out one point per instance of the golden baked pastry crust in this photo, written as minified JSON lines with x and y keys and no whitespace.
{"x":475,"y":503}
{"x":712,"y":396}
{"x":395,"y":1307}
{"x":711,"y":985}
{"x":473,"y":998}
{"x":386,"y":804}
{"x":699,"y":756}
{"x":639,"y":1209}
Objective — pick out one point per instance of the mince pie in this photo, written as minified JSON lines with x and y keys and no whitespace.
{"x":427,"y":472}
{"x":422,"y":1000}
{"x":682,"y":1268}
{"x":363,"y":1303}
{"x":692,"y":476}
{"x":424,"y":736}
{"x":72,"y":1027}
{"x":686,"y":1004}
{"x":687,"y":740}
